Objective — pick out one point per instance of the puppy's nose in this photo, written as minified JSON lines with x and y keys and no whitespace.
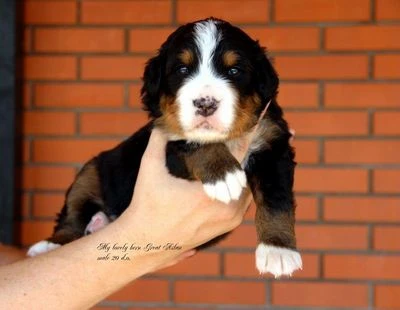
{"x":206,"y":106}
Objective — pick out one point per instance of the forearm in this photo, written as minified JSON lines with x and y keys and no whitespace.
{"x":71,"y":277}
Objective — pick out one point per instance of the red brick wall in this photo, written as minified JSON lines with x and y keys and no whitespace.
{"x":339,"y":63}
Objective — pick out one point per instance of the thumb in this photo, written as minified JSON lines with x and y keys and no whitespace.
{"x":156,"y":147}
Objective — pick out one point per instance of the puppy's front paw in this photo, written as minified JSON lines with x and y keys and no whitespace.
{"x":276,"y":260}
{"x":42,"y":247}
{"x":228,"y":188}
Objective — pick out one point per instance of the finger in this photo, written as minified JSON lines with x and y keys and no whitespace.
{"x":293,"y":133}
{"x":156,"y":146}
{"x":241,"y":147}
{"x":245,"y":204}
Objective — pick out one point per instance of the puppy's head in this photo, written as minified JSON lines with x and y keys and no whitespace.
{"x":209,"y":82}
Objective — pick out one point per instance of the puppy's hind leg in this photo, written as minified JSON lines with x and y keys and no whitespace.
{"x":70,"y":226}
{"x":98,"y":221}
{"x":83,"y":201}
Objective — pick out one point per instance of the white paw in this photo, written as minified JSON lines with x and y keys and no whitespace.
{"x":98,"y":221}
{"x":276,"y":260}
{"x":42,"y":247}
{"x":227,"y":189}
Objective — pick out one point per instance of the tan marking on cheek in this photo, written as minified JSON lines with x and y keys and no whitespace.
{"x":169,"y":120}
{"x":230,"y":58}
{"x":186,"y":56}
{"x":245,"y":117}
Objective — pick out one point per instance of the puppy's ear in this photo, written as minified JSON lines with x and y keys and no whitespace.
{"x":268,"y":79}
{"x":151,"y":90}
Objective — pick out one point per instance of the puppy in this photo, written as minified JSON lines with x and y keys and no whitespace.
{"x":209,"y":86}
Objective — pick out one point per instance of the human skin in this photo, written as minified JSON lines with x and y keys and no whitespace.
{"x":163,"y":210}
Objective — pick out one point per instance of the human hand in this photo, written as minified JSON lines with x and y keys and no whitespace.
{"x":171,"y":210}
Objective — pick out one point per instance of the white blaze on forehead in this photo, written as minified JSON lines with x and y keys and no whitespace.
{"x":206,"y":38}
{"x":206,"y":82}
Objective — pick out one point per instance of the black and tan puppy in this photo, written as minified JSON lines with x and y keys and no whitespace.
{"x":207,"y":88}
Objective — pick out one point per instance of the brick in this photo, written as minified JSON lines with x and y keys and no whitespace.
{"x":387,"y":297}
{"x":48,"y":123}
{"x":26,"y":95}
{"x":31,"y":231}
{"x":364,"y":95}
{"x":220,"y":292}
{"x":125,"y":123}
{"x":331,"y":237}
{"x":47,"y":205}
{"x":363,"y":267}
{"x":148,"y":40}
{"x":69,"y":150}
{"x":308,"y":237}
{"x":143,"y":290}
{"x":49,"y":67}
{"x":331,"y":180}
{"x":26,"y":40}
{"x":306,"y":151}
{"x":321,"y":10}
{"x":342,"y":67}
{"x":25,"y":205}
{"x":242,"y":265}
{"x":298,"y":95}
{"x":26,"y":150}
{"x":387,"y":123}
{"x":235,"y":11}
{"x":79,"y":40}
{"x":203,"y":264}
{"x":386,"y":181}
{"x":112,"y":68}
{"x":387,"y":9}
{"x":244,"y":237}
{"x":362,"y":152}
{"x":126,"y":12}
{"x":49,"y":12}
{"x":387,"y":66}
{"x":286,"y":38}
{"x":328,"y":123}
{"x":70,"y":95}
{"x":386,"y":238}
{"x":306,"y":209}
{"x":324,"y":294}
{"x":47,"y":177}
{"x":362,"y":209}
{"x":134,"y":95}
{"x":362,"y":38}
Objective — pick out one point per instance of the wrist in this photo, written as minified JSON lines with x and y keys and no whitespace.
{"x":144,"y":247}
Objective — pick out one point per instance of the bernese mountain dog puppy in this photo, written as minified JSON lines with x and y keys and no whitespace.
{"x":209,"y":86}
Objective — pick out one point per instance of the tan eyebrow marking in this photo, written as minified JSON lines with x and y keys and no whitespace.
{"x":230,"y":58}
{"x":186,"y":56}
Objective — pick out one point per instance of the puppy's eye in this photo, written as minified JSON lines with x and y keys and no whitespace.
{"x":183,"y":70}
{"x":233,"y":71}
